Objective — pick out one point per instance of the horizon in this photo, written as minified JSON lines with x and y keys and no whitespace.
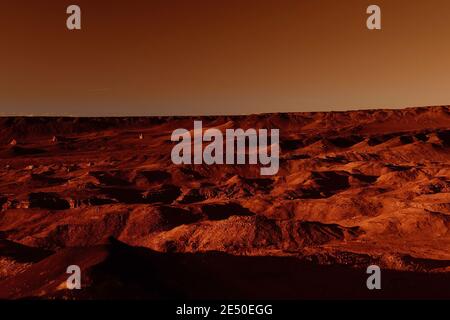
{"x":217,"y":115}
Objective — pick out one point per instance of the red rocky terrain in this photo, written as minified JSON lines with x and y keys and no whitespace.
{"x":354,"y":189}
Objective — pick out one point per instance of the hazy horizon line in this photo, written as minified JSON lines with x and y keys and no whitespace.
{"x":119,"y":115}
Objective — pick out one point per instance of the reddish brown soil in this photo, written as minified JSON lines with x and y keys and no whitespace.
{"x":354,"y":189}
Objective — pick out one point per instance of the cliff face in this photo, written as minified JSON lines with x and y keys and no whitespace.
{"x":354,"y":188}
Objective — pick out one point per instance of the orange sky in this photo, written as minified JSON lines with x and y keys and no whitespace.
{"x":158,"y":57}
